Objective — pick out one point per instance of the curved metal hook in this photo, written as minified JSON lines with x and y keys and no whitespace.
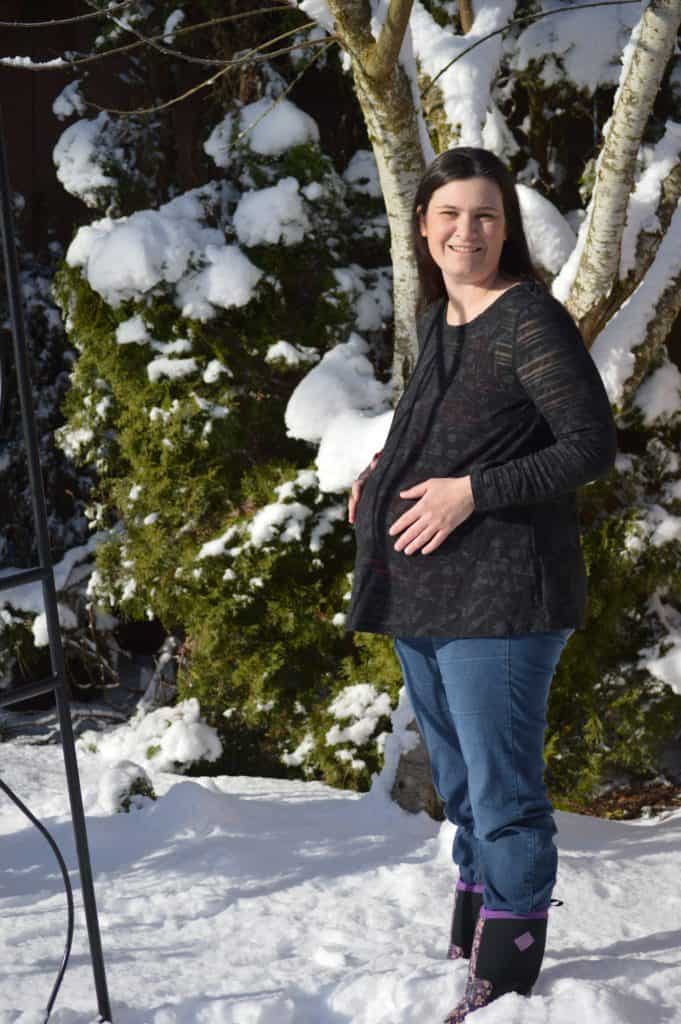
{"x":67,"y":885}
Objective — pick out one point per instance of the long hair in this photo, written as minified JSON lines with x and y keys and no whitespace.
{"x":456,"y":165}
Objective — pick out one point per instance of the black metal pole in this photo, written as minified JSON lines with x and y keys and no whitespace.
{"x":49,"y":590}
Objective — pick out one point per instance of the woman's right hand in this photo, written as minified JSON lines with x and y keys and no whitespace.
{"x":358,"y":484}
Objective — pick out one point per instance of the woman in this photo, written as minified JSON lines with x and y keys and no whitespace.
{"x":468,"y":549}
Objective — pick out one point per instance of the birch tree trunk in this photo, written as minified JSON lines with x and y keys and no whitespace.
{"x":594,"y":294}
{"x":385,"y":96}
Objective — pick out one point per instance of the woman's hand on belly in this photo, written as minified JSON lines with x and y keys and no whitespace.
{"x":358,"y":484}
{"x":443,"y":504}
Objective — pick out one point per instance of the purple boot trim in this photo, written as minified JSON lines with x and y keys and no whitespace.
{"x":468,"y":887}
{"x":534,"y":916}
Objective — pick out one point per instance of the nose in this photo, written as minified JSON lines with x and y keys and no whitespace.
{"x":466,"y":227}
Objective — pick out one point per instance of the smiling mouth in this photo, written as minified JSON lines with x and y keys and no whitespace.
{"x":465,"y":248}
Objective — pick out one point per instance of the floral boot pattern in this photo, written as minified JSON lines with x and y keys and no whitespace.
{"x":478,"y":991}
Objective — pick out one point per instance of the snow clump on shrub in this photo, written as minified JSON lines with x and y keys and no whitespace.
{"x":169,"y":739}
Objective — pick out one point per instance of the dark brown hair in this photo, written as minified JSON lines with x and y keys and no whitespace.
{"x":456,"y":165}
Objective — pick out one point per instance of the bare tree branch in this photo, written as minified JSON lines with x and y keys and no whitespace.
{"x":322,"y":44}
{"x":74,"y":62}
{"x":466,"y":15}
{"x":208,"y":61}
{"x":161,"y":106}
{"x":386,"y":50}
{"x":103,"y":12}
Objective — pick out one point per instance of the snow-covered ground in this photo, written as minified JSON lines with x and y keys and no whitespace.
{"x":236,"y":900}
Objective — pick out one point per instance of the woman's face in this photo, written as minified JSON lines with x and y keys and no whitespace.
{"x":465,"y":228}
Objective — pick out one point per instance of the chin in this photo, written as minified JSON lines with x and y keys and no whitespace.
{"x":470,"y":275}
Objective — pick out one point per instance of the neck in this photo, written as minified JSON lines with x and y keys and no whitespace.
{"x":467,"y":299}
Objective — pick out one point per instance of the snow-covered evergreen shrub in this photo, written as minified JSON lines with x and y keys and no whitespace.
{"x":162,"y":739}
{"x":110,"y":163}
{"x":124,"y":785}
{"x":342,"y":740}
{"x":616,"y":699}
{"x":195,"y":323}
{"x":23,"y":654}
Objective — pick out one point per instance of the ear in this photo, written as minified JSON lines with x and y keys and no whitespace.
{"x":422,"y":221}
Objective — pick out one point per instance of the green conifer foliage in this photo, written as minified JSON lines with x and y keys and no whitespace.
{"x":612,"y":707}
{"x":215,"y":524}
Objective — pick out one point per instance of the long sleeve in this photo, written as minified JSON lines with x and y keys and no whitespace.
{"x":558,"y":375}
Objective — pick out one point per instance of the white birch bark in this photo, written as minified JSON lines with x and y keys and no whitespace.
{"x":387,"y":103}
{"x":385,"y":96}
{"x":597,"y":273}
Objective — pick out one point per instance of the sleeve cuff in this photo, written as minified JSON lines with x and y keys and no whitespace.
{"x":481,"y":497}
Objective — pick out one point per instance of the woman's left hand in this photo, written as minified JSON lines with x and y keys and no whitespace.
{"x":445,"y":502}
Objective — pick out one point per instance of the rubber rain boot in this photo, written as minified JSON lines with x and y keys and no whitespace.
{"x":506,"y":956}
{"x":467,"y":904}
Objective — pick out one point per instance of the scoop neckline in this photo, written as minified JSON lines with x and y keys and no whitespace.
{"x":492,"y":305}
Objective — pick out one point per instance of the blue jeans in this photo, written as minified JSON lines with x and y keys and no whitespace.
{"x":480,"y":704}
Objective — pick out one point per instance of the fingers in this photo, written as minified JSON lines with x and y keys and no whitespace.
{"x":412,"y":514}
{"x":405,"y":520}
{"x":438,"y":539}
{"x":416,"y":491}
{"x":353,"y":500}
{"x":413,"y":539}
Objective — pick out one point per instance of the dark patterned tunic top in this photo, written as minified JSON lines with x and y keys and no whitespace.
{"x":514,"y":399}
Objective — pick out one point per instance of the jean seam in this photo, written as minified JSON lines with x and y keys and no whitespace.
{"x":531,"y":870}
{"x":511,"y":723}
{"x":529,"y":885}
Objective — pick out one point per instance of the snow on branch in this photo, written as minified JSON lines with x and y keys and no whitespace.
{"x":28,"y":64}
{"x":642,"y":212}
{"x":103,"y":12}
{"x":465,"y":88}
{"x":243,"y":58}
{"x":644,"y":63}
{"x":624,"y":348}
{"x":524,"y":20}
